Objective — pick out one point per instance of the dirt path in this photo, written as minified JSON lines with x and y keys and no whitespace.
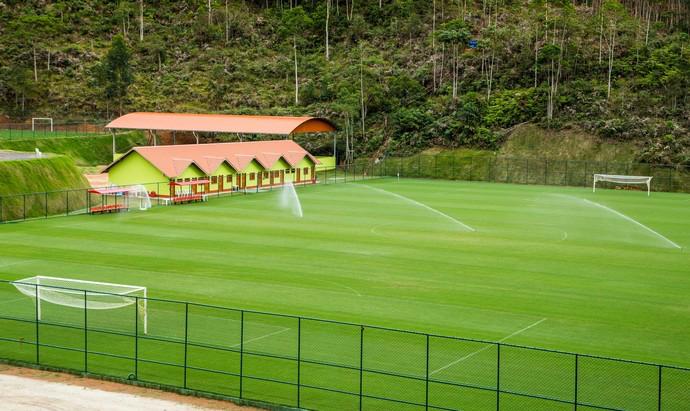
{"x":28,"y":389}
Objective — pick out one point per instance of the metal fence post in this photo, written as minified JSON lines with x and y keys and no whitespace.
{"x":546,"y":171}
{"x":577,"y":378}
{"x":86,"y":335}
{"x":241,"y":350}
{"x":67,"y":202}
{"x":136,"y":337}
{"x":299,"y":358}
{"x":452,"y":167}
{"x":426,"y":378}
{"x":46,"y":203}
{"x":471,"y":168}
{"x":508,"y":170}
{"x":567,"y":180}
{"x":436,"y":166}
{"x":361,"y":365}
{"x":498,"y":376}
{"x":186,"y":340}
{"x":38,"y":344}
{"x":24,"y":208}
{"x":659,"y":396}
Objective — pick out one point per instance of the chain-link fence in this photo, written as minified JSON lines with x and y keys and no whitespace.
{"x":21,"y":207}
{"x":40,"y":130}
{"x":318,"y":364}
{"x":532,"y":171}
{"x":481,"y":168}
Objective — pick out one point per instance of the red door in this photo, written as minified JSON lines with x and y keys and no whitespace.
{"x":220,"y":183}
{"x":282,"y":176}
{"x":297,"y":171}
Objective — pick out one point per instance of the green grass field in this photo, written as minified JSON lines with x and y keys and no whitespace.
{"x":552,"y":267}
{"x":20,"y":134}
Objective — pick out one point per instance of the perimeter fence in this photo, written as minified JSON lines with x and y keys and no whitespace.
{"x":311,"y":363}
{"x":672,"y":178}
{"x":20,"y":207}
{"x":42,"y":130}
{"x":46,"y":204}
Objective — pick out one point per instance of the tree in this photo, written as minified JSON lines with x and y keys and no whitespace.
{"x":455,"y":34}
{"x":141,"y":20}
{"x":114,"y":73}
{"x":614,"y":13}
{"x":295,"y":22}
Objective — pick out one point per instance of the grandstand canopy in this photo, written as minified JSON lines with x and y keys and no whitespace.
{"x":222,"y":123}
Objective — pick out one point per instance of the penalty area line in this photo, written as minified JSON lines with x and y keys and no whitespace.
{"x":472,"y":354}
{"x":261,"y":337}
{"x":632,"y":220}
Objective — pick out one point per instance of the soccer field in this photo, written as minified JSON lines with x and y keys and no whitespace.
{"x":604,"y":273}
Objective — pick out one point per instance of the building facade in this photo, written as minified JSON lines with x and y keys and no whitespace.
{"x":218,"y":167}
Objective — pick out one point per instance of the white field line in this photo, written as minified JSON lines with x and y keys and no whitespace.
{"x":625,"y":217}
{"x":417,"y":203}
{"x":472,"y":354}
{"x":261,"y":337}
{"x":565,"y":236}
{"x":357,"y":293}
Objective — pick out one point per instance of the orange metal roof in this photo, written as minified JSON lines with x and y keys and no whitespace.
{"x":174,"y":160}
{"x":222,"y":123}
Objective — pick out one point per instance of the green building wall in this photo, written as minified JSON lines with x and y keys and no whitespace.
{"x":135,"y":169}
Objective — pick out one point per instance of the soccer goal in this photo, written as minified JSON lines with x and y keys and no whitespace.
{"x":41,"y":120}
{"x":92,"y":295}
{"x":612,"y":178}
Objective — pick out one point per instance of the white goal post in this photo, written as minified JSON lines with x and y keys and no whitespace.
{"x":92,"y":295}
{"x":613,"y":178}
{"x":33,"y":122}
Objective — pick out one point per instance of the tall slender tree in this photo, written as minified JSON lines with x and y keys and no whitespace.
{"x":114,"y":73}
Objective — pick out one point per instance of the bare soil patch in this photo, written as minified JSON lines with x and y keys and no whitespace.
{"x":30,"y":389}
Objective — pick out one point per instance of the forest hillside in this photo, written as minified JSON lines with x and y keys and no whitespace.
{"x":397,"y":76}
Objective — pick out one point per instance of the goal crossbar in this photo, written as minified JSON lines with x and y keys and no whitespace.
{"x":92,"y":295}
{"x":621,"y":179}
{"x":33,"y":122}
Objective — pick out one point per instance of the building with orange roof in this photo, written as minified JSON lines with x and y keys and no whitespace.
{"x":214,"y":168}
{"x":191,"y":169}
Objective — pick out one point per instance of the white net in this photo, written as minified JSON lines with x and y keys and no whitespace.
{"x":621,"y":179}
{"x":138,"y":197}
{"x":92,"y":295}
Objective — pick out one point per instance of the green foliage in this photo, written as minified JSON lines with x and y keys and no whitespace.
{"x":114,"y":74}
{"x":241,"y":60}
{"x":510,"y":107}
{"x":454,"y":32}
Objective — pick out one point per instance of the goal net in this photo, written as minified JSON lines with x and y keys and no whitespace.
{"x":619,"y":179}
{"x":138,"y":197}
{"x":92,"y":295}
{"x":44,"y":120}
